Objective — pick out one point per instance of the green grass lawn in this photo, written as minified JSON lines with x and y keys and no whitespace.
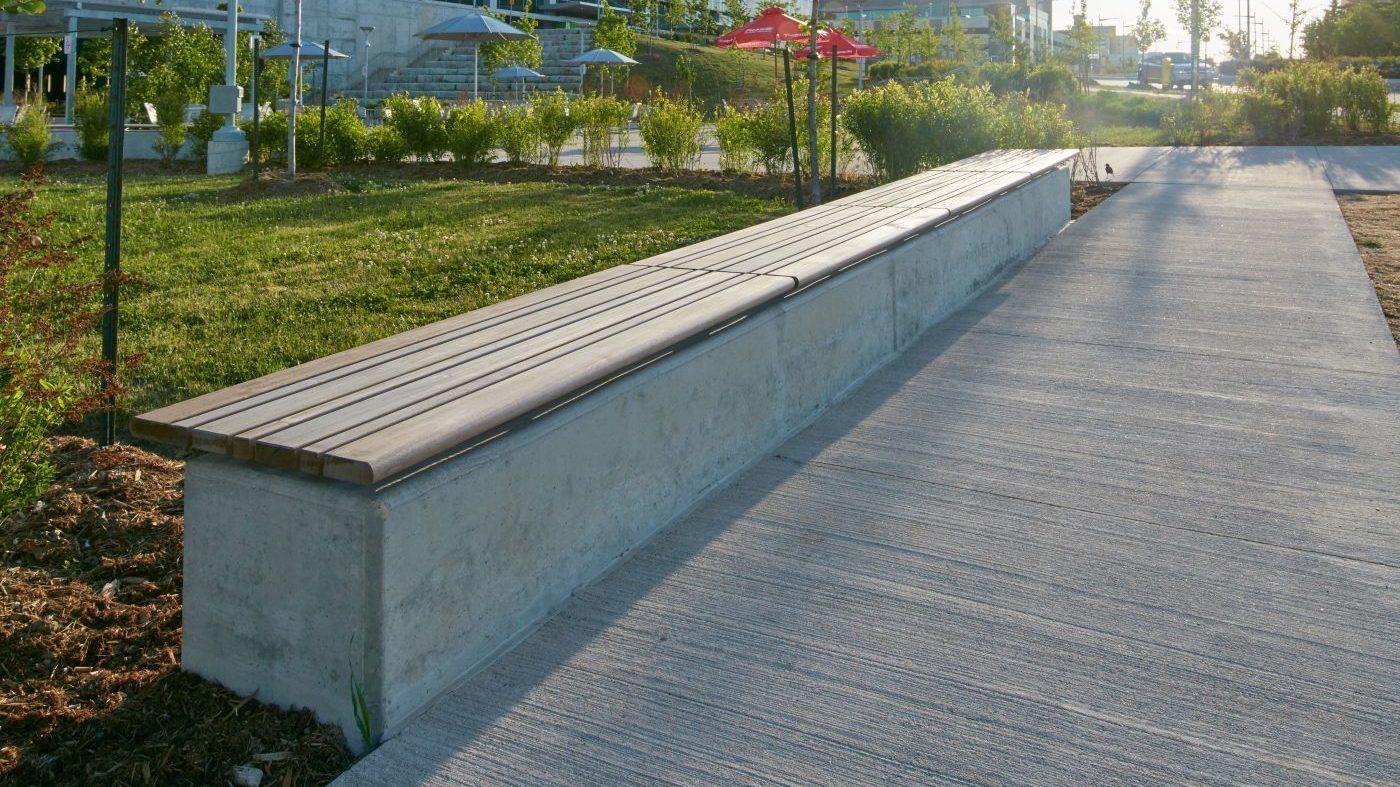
{"x":723,"y":73}
{"x":235,"y":289}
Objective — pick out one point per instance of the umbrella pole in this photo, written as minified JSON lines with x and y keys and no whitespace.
{"x":792,"y":126}
{"x":476,"y":71}
{"x":833,"y":120}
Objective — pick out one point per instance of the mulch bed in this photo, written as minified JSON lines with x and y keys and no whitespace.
{"x":1374,"y":220}
{"x":1084,"y":196}
{"x":90,"y":686}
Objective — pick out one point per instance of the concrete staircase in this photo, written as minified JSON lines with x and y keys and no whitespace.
{"x":447,"y":75}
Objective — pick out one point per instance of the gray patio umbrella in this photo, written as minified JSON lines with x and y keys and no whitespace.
{"x":602,"y":57}
{"x":476,"y":27}
{"x":518,"y":72}
{"x":309,"y":50}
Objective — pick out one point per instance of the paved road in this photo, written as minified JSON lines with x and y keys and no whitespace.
{"x":1130,"y":517}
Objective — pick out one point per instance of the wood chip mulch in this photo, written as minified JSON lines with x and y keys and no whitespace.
{"x":1374,"y":220}
{"x":90,"y":686}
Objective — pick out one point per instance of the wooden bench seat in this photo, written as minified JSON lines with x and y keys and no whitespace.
{"x":370,"y":413}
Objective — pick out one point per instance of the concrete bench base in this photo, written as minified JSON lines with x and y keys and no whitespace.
{"x":299,"y":589}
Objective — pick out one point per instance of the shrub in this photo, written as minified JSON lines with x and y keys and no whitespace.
{"x":1265,"y":114}
{"x":670,"y":133}
{"x":1212,"y":117}
{"x":603,"y":121}
{"x":202,"y":130}
{"x":1365,"y":100}
{"x":385,"y":145}
{"x":170,"y":121}
{"x":90,"y":121}
{"x":885,"y":69}
{"x":271,"y":136}
{"x":518,"y":133}
{"x":346,"y":139}
{"x":1022,"y":123}
{"x":419,"y":123}
{"x":1052,"y":82}
{"x":29,"y":137}
{"x":555,"y":121}
{"x":736,"y":148}
{"x":471,"y":136}
{"x":45,"y":375}
{"x":1309,"y":93}
{"x":769,"y":134}
{"x":903,"y":128}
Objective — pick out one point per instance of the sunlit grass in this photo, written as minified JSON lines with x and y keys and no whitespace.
{"x":235,"y":289}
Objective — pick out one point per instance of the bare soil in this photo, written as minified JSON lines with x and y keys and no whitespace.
{"x":90,"y":686}
{"x":1374,"y":220}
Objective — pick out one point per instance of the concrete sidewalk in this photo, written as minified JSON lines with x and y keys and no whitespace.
{"x":1130,"y":517}
{"x":1346,"y":167}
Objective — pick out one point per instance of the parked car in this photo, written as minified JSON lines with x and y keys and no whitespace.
{"x":1150,"y":71}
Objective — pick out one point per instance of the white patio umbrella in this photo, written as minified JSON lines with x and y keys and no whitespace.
{"x":518,"y":72}
{"x":602,"y":57}
{"x":477,"y":27}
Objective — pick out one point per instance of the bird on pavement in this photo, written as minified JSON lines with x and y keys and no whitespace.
{"x":1108,"y":168}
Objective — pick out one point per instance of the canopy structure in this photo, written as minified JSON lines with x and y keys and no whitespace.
{"x":310,"y":50}
{"x":845,"y":48}
{"x":767,"y":30}
{"x":517,"y":72}
{"x":602,"y":57}
{"x":477,"y":27}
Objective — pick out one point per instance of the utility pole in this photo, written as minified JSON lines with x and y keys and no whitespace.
{"x":1249,"y":42}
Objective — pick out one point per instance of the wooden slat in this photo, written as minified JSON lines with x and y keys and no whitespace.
{"x":444,"y":355}
{"x":166,"y":424}
{"x":376,"y":410}
{"x":377,"y":450}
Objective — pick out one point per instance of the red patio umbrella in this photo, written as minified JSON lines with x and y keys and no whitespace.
{"x":846,"y":48}
{"x":770,"y":28}
{"x":764,"y":32}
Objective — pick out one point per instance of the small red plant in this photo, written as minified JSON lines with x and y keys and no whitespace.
{"x":48,"y":373}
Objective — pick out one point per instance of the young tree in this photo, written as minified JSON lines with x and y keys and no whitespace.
{"x":1197,"y":17}
{"x":1147,"y":31}
{"x":1001,"y":33}
{"x":1236,"y":43}
{"x":525,"y":52}
{"x":675,"y":13}
{"x":1083,"y":40}
{"x":31,"y":54}
{"x":957,"y":44}
{"x":1295,"y":23}
{"x":738,"y":12}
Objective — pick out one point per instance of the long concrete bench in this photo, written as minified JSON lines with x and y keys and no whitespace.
{"x":386,"y":520}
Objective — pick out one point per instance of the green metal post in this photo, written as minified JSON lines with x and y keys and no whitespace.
{"x":792,"y":124}
{"x":833,"y":120}
{"x":116,"y":118}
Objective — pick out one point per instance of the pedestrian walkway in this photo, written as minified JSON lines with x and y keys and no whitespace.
{"x":1129,"y":517}
{"x":1373,"y":168}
